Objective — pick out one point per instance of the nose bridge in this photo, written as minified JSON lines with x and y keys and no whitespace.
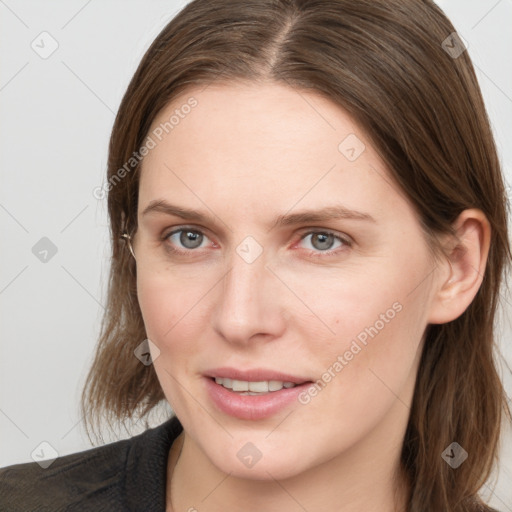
{"x":247,"y":305}
{"x":243,"y":285}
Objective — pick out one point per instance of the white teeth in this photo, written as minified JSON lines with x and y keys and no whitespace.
{"x":258,"y":387}
{"x":250,"y":388}
{"x":274,"y":385}
{"x":240,"y":385}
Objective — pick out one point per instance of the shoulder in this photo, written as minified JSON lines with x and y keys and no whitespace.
{"x":478,"y":505}
{"x":124,"y":475}
{"x":68,"y":480}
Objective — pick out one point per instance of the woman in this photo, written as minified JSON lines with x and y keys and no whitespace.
{"x":309,"y":236}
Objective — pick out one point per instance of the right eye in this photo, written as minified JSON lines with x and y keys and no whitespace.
{"x":185,"y":239}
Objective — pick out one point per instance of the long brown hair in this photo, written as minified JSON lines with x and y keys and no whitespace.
{"x":388,"y":64}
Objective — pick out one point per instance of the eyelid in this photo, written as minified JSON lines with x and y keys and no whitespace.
{"x":345,"y":239}
{"x":341,"y":236}
{"x":176,"y":229}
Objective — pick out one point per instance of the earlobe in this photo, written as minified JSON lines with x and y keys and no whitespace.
{"x":466,"y":258}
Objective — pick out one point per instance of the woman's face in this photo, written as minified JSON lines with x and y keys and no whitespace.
{"x":303,"y":263}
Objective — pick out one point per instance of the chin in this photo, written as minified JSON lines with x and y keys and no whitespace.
{"x":265,"y":463}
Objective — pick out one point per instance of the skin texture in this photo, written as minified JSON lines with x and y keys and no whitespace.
{"x":244,"y":155}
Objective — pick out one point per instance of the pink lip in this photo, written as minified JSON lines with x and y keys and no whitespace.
{"x":253,"y":407}
{"x":255,"y":375}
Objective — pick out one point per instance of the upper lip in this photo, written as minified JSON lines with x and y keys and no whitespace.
{"x":255,"y":375}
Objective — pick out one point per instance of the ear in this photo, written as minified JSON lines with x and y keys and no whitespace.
{"x":462,"y":273}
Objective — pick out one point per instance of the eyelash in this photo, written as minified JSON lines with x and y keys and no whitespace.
{"x":347,"y":243}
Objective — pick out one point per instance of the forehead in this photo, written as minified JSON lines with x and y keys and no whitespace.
{"x":239,"y":117}
{"x":258,"y":145}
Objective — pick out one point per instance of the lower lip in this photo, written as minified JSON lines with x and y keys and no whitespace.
{"x":252,"y":407}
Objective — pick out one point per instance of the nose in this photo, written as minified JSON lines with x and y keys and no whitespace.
{"x":250,"y":303}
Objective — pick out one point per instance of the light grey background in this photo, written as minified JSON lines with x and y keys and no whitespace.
{"x":57,"y":113}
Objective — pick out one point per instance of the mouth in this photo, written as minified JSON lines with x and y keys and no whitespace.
{"x":254,"y":399}
{"x":254,"y":388}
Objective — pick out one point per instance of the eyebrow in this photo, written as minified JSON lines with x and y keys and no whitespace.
{"x":326,"y":213}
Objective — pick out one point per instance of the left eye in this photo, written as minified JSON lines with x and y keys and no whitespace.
{"x":323,"y":241}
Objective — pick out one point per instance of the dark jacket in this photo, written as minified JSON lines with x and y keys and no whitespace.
{"x":127,"y":475}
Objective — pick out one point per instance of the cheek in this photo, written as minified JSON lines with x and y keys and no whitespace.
{"x":155,"y":307}
{"x":380,"y":304}
{"x":351,"y":306}
{"x":368,"y":366}
{"x":168,"y":304}
{"x":372,"y":377}
{"x":174,"y":314}
{"x":166,"y":312}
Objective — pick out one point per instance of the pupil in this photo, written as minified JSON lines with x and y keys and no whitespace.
{"x":325,"y":240}
{"x":189,"y":239}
